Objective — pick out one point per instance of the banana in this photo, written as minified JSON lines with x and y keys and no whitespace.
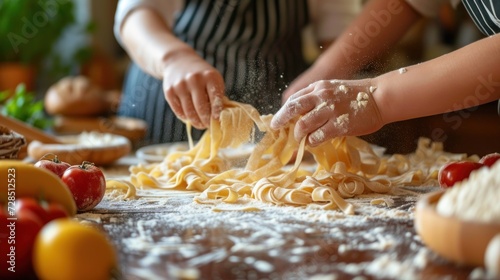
{"x":21,"y":179}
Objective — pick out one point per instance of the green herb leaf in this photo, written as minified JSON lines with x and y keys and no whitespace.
{"x":23,"y":106}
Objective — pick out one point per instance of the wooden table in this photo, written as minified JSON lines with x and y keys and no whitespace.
{"x":168,"y":236}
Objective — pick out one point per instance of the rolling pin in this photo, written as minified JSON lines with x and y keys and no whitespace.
{"x":28,"y":131}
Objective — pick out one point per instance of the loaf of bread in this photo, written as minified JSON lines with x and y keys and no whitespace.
{"x":78,"y":97}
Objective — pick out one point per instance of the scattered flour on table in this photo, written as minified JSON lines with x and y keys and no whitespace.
{"x":173,"y":227}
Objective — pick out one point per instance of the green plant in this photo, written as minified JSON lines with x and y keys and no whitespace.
{"x":23,"y":106}
{"x":56,"y":65}
{"x":29,"y":29}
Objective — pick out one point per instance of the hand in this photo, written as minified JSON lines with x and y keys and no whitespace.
{"x":331,"y":108}
{"x":302,"y":81}
{"x":322,"y":69}
{"x":193,"y":89}
{"x":311,"y":75}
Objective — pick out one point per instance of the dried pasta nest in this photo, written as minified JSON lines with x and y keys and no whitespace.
{"x":11,"y":143}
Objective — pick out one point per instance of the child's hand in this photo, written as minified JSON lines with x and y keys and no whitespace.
{"x":193,"y":89}
{"x":327,"y":109}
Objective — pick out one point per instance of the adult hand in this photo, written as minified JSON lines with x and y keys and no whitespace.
{"x":193,"y":88}
{"x":331,"y":108}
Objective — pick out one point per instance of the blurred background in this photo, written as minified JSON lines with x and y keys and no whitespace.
{"x":44,"y":41}
{"x":49,"y":39}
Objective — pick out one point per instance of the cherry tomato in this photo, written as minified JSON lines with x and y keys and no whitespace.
{"x":55,"y":165}
{"x":454,"y":172}
{"x":31,"y":205}
{"x":17,"y":238}
{"x":87,"y":184}
{"x":66,"y":249}
{"x":45,"y":211}
{"x":490,"y":159}
{"x":55,"y":211}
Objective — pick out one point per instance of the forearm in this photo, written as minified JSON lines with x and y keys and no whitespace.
{"x":464,"y":78}
{"x":380,"y":26}
{"x":149,"y":41}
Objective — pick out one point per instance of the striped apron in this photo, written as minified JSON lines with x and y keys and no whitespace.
{"x":486,"y":16}
{"x":255,"y":44}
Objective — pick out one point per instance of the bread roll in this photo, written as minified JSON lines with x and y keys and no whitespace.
{"x":78,"y":97}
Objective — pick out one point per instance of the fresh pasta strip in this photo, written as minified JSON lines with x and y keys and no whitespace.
{"x":122,"y":185}
{"x":345,"y":166}
{"x":382,"y":201}
{"x":335,"y":201}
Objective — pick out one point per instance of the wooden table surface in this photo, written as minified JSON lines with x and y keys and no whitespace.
{"x":165,"y":235}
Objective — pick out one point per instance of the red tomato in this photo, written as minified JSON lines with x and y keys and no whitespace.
{"x":454,"y":172}
{"x":55,"y":211}
{"x":490,"y":159}
{"x":55,"y":165}
{"x":46,"y":212}
{"x":87,"y":184}
{"x":31,"y":205}
{"x":17,"y":238}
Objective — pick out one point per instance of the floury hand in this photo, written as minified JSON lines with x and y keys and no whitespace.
{"x":331,"y":108}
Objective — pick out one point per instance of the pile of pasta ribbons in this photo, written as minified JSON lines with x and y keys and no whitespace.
{"x":345,"y":166}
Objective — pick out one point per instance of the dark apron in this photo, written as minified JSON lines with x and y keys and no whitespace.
{"x":255,"y":44}
{"x":480,"y":11}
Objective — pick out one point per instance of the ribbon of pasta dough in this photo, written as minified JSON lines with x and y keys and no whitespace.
{"x":346,"y":166}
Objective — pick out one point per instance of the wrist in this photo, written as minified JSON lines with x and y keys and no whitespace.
{"x":173,"y":54}
{"x":381,"y":95}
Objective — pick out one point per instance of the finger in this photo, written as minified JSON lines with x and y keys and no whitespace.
{"x":299,"y":105}
{"x":174,"y":102}
{"x":293,"y":89}
{"x":313,"y":120}
{"x":334,"y":127}
{"x":215,"y":89}
{"x":186,"y":100}
{"x":302,"y":92}
{"x":199,"y":95}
